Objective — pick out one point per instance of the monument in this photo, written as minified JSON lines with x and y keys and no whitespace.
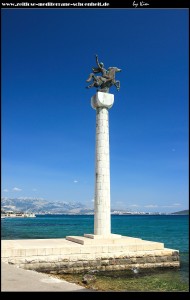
{"x":102,"y":101}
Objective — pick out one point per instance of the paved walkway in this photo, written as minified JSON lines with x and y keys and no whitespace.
{"x":20,"y":280}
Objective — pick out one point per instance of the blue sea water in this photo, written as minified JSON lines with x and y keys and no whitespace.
{"x":172,"y":230}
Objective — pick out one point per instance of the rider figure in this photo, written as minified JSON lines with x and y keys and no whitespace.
{"x":100,"y":69}
{"x":105,"y":80}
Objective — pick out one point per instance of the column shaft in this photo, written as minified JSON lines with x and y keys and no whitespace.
{"x":102,"y":222}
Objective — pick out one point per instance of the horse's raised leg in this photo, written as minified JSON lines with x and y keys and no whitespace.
{"x":90,"y":77}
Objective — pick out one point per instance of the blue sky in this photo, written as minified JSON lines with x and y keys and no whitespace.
{"x":48,"y":125}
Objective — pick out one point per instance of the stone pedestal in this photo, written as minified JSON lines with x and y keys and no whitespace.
{"x":102,"y":102}
{"x":81,"y":254}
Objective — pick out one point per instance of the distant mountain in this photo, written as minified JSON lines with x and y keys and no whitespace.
{"x":181,"y":212}
{"x":39,"y":205}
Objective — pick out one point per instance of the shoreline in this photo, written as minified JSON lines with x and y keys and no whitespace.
{"x":151,"y":281}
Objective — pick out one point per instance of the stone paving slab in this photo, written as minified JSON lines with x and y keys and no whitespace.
{"x":14,"y":279}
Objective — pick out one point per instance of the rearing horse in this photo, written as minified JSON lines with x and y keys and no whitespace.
{"x":105,"y":82}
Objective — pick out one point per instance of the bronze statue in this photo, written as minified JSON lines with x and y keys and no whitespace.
{"x":105,"y":81}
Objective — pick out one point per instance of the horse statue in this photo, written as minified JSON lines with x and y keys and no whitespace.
{"x":105,"y":81}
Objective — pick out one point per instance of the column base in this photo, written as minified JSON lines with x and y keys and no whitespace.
{"x":100,"y":237}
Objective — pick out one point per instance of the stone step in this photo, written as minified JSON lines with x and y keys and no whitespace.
{"x":117,"y":244}
{"x":85,"y":240}
{"x":100,"y":237}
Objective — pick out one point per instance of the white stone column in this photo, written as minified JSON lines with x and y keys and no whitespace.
{"x":102,"y":102}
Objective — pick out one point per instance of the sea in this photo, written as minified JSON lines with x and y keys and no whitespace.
{"x":172,"y":230}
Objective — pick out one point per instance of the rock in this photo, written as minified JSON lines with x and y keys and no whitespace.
{"x":88,"y":278}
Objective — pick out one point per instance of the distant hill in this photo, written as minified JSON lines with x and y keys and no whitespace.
{"x":39,"y":205}
{"x":181,"y":212}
